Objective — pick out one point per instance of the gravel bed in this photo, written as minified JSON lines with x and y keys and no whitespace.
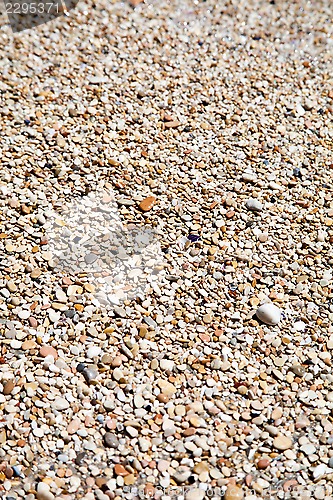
{"x":207,"y":126}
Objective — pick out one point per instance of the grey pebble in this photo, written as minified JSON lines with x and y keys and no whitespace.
{"x":111,"y":440}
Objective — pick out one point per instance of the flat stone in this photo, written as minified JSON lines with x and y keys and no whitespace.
{"x":147,"y":204}
{"x":8,"y":387}
{"x":319,"y":471}
{"x":282,"y":443}
{"x":60,"y":404}
{"x":167,"y":364}
{"x":120,"y":470}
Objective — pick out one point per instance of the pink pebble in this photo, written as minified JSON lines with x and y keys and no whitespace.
{"x":47,"y":350}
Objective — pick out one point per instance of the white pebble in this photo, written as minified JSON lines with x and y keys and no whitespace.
{"x":269,"y":314}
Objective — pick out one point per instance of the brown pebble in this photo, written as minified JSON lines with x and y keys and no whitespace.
{"x":129,"y":480}
{"x":35,"y":273}
{"x":263,"y":463}
{"x":289,"y":485}
{"x":189,"y":432}
{"x":8,"y":387}
{"x":147,"y":203}
{"x":101,"y":481}
{"x":47,"y":350}
{"x":107,"y":359}
{"x":162,"y":398}
{"x":134,"y":3}
{"x":248,"y":480}
{"x":120,"y":470}
{"x":172,"y":124}
{"x":9,"y":472}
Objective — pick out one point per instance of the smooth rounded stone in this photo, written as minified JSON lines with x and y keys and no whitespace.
{"x":43,"y":492}
{"x":132,"y":431}
{"x":111,"y":440}
{"x":60,"y":404}
{"x":106,"y":359}
{"x":263,"y":463}
{"x":90,"y":374}
{"x":147,"y":204}
{"x":90,"y":258}
{"x":269,"y":314}
{"x":233,"y":493}
{"x":254,"y":205}
{"x":139,"y":401}
{"x":181,"y":474}
{"x":35,"y":273}
{"x":144,"y":444}
{"x":11,"y":286}
{"x":47,"y":350}
{"x":298,"y":370}
{"x":73,"y":426}
{"x":282,"y":443}
{"x":330,"y":463}
{"x":120,"y":470}
{"x":118,"y":374}
{"x":194,"y":494}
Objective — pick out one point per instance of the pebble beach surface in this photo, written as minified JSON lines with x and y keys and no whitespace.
{"x":212,"y":123}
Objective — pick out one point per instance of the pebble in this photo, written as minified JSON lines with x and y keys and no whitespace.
{"x":120,"y":470}
{"x":319,"y":471}
{"x":298,"y":370}
{"x":165,"y":354}
{"x":43,"y":492}
{"x":35,"y":273}
{"x":8,"y":387}
{"x":167,"y":364}
{"x":233,"y":493}
{"x":147,"y":204}
{"x":282,"y":443}
{"x":269,"y":314}
{"x":46,"y":350}
{"x":90,"y":374}
{"x":254,"y":205}
{"x":111,"y":440}
{"x":60,"y":404}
